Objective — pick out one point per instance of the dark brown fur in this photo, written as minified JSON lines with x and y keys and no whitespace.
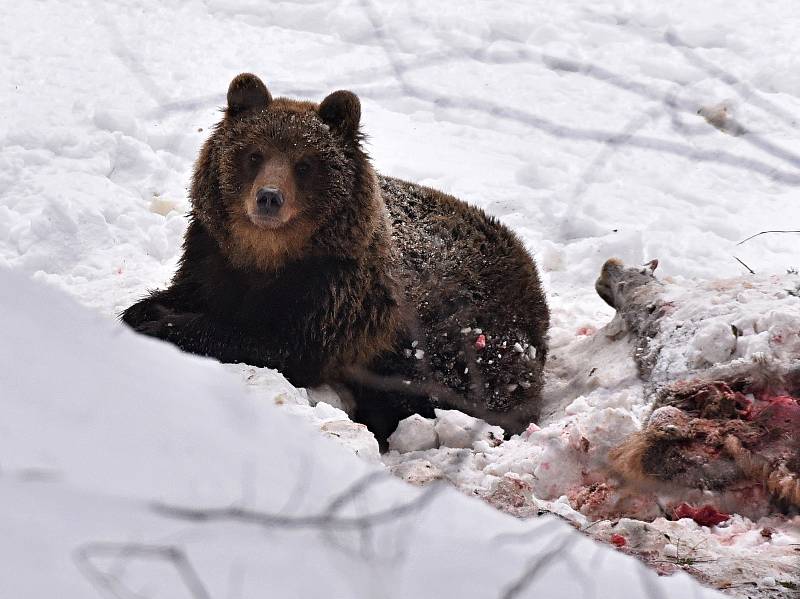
{"x":354,"y":278}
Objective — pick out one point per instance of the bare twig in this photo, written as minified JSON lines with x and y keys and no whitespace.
{"x":764,"y":233}
{"x":752,"y":272}
{"x":110,"y":585}
{"x":527,"y":536}
{"x":324,"y":520}
{"x":535,"y":567}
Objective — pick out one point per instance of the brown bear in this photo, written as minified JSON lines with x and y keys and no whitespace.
{"x":299,"y":257}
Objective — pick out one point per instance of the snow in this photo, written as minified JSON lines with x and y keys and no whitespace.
{"x":619,"y":129}
{"x":415,"y":433}
{"x":764,"y":313}
{"x":456,"y":429}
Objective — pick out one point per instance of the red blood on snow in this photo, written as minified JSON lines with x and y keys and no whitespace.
{"x":618,"y":540}
{"x":707,"y":515}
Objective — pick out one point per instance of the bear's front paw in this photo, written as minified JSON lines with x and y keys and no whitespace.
{"x":166,"y":324}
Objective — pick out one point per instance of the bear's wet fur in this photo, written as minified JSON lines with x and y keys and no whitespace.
{"x":299,"y":257}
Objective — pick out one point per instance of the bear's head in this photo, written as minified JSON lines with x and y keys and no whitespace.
{"x":282,"y":179}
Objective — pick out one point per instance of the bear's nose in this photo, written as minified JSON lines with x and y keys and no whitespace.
{"x":269,"y":200}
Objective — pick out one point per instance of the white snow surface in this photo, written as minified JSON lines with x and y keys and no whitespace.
{"x":629,"y":129}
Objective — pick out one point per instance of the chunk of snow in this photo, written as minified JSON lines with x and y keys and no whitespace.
{"x":414,"y":433}
{"x":356,"y":436}
{"x":458,"y":430}
{"x":713,"y":343}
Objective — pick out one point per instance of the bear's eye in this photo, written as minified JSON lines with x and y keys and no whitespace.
{"x":255,"y":158}
{"x":302,"y":168}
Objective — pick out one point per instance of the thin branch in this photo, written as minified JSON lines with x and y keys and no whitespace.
{"x":544,"y":559}
{"x":752,"y":272}
{"x":111,"y":586}
{"x":764,"y":233}
{"x":323,"y":520}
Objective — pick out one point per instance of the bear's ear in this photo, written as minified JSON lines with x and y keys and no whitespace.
{"x":245,"y":93}
{"x":341,"y":111}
